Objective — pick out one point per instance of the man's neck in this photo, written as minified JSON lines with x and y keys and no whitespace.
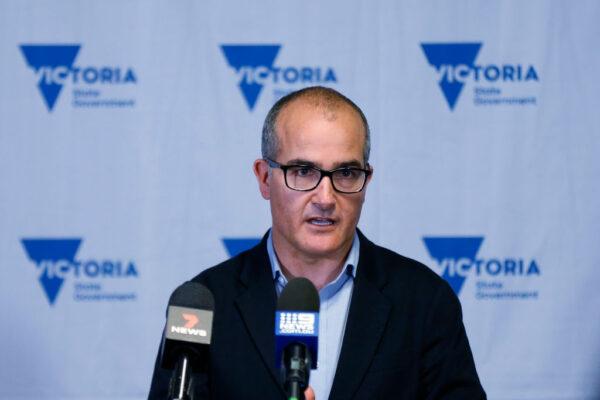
{"x":319,"y":269}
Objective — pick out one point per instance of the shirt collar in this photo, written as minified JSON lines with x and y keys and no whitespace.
{"x":349,"y":270}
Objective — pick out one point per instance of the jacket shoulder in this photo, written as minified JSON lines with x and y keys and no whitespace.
{"x":224,"y":271}
{"x":236,"y":270}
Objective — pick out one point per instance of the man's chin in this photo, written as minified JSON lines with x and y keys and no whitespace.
{"x":324,"y":247}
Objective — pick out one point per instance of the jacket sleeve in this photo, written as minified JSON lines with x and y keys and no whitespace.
{"x":447,"y":369}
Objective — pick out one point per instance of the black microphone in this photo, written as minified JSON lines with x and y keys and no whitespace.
{"x":296,"y":335}
{"x":187,"y":336}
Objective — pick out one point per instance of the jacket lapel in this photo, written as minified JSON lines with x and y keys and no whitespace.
{"x":367,"y":317}
{"x":256,"y":304}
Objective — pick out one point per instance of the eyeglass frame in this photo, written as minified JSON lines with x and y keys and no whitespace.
{"x":322,"y":172}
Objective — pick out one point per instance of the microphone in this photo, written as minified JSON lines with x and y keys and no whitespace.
{"x":187,"y":336}
{"x":296,"y":335}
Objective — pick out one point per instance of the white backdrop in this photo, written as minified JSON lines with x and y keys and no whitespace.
{"x":126,"y":144}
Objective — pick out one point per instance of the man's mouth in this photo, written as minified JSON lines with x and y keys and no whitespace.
{"x":321,"y":221}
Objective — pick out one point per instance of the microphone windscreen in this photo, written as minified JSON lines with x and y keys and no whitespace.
{"x":297,"y":319}
{"x":192,"y":295}
{"x":299,"y":295}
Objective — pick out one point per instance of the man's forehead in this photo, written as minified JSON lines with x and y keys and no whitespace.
{"x":298,"y":114}
{"x":311,"y":107}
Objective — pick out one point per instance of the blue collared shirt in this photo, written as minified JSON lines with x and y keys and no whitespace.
{"x":335,"y":302}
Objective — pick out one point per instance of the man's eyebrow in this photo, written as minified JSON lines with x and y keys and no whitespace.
{"x":350,"y":163}
{"x":340,"y":164}
{"x":300,"y":161}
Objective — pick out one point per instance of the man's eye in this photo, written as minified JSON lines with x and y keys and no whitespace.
{"x":303,"y":171}
{"x":347,"y":173}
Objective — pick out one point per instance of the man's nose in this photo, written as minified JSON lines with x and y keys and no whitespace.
{"x":324,"y":196}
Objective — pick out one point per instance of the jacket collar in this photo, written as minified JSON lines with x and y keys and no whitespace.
{"x":257,"y":302}
{"x":367,"y":318}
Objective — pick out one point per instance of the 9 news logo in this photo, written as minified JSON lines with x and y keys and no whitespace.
{"x":296,"y":323}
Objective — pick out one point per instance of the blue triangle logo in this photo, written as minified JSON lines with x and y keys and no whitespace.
{"x":235,"y":246}
{"x":42,"y":251}
{"x":453,"y":248}
{"x":246,"y":60}
{"x":46,"y":60}
{"x":445,"y":57}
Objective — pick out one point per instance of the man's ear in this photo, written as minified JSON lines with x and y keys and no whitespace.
{"x":261,"y":171}
{"x":370,"y":168}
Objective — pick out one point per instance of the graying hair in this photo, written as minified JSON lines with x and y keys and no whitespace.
{"x":323,"y":97}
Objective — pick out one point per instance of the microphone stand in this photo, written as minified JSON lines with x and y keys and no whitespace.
{"x":297,"y":361}
{"x":180,"y":381}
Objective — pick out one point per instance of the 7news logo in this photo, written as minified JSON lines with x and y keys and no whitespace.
{"x":457,"y":260}
{"x":254,"y":66}
{"x":454,"y":65}
{"x":189,"y":327}
{"x":56,"y":263}
{"x":54,"y":67}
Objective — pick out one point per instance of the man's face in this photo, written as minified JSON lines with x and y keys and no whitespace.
{"x":321,"y":222}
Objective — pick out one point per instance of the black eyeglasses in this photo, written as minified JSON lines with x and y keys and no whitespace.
{"x":307,"y":177}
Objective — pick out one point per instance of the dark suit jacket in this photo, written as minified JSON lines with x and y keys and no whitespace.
{"x":404,"y":335}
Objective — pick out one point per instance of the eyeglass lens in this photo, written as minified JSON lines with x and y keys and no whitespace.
{"x":307,"y":178}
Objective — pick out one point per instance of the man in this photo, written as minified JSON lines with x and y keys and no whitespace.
{"x":390,"y":328}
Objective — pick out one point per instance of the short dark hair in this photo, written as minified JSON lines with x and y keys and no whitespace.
{"x":321,"y":97}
